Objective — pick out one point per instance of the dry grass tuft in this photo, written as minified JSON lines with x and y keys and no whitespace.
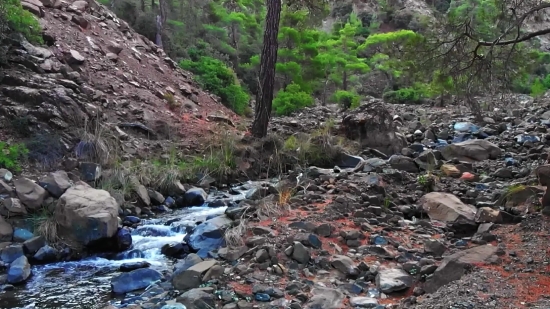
{"x":234,"y":237}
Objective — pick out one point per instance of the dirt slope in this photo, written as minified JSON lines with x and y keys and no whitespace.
{"x":94,"y":64}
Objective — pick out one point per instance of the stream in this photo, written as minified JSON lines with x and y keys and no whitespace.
{"x":85,"y":284}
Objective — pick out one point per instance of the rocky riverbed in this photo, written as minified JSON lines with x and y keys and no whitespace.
{"x":447,"y":215}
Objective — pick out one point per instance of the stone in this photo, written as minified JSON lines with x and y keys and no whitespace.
{"x":135,"y":280}
{"x":195,"y":197}
{"x":455,"y":266}
{"x":232,"y":254}
{"x":123,"y":239}
{"x":403,"y":163}
{"x":325,"y":298}
{"x":114,"y":47}
{"x":208,"y":235}
{"x":390,"y":280}
{"x":86,"y":214}
{"x":446,"y":207}
{"x":488,"y":215}
{"x":31,"y":194}
{"x":363,"y":302}
{"x":30,"y":6}
{"x":143,"y":194}
{"x":11,"y":207}
{"x":300,"y":253}
{"x":472,"y":150}
{"x":19,"y":270}
{"x":34,"y":244}
{"x":56,"y":183}
{"x":435,"y":247}
{"x":343,"y":263}
{"x":11,"y":253}
{"x":74,"y":57}
{"x":197,"y":298}
{"x":192,"y":277}
{"x":78,"y":6}
{"x":6,"y":231}
{"x":21,"y":235}
{"x":46,"y":254}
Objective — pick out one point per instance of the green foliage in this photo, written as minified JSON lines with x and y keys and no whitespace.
{"x":291,"y":99}
{"x":404,"y":96}
{"x":20,"y":20}
{"x":538,"y":88}
{"x":347,"y":99}
{"x":11,"y":155}
{"x":215,"y":76}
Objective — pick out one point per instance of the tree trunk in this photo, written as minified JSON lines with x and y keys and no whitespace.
{"x":161,"y":19}
{"x":142,"y":2}
{"x":268,"y":59}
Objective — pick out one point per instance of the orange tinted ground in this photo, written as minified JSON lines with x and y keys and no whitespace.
{"x":515,"y":288}
{"x":519,"y":288}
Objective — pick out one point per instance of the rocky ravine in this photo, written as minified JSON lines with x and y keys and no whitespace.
{"x":435,"y":212}
{"x":437,"y":225}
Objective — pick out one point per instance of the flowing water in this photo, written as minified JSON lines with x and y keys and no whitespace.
{"x":85,"y":284}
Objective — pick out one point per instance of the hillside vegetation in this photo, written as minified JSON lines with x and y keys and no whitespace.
{"x":398,"y":48}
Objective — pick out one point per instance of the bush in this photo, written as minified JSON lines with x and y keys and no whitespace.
{"x":537,"y":88}
{"x":346,"y":98}
{"x":19,"y":20}
{"x":291,"y":99}
{"x":216,"y":77}
{"x":404,"y":96}
{"x":10,"y":155}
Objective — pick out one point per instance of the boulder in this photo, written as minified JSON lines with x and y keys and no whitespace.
{"x":191,"y":277}
{"x":472,"y":150}
{"x":372,"y":124}
{"x":135,"y":280}
{"x":6,"y":230}
{"x":208,"y":235}
{"x":22,"y":235}
{"x":34,"y":244}
{"x":86,"y":214}
{"x":454,"y":266}
{"x":11,"y":207}
{"x":46,"y":254}
{"x":56,"y":183}
{"x":30,"y":193}
{"x":11,"y":253}
{"x":197,"y":298}
{"x":446,"y":207}
{"x":195,"y":197}
{"x":123,"y":239}
{"x":390,"y":280}
{"x":19,"y":271}
{"x":343,"y":263}
{"x":403,"y":163}
{"x":325,"y":298}
{"x":488,"y":215}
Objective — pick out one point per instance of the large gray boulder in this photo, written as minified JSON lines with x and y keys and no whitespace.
{"x":446,"y":207}
{"x":85,"y":214}
{"x":135,"y":280}
{"x":472,"y":150}
{"x":454,"y":266}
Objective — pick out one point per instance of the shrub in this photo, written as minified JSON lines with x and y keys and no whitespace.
{"x":11,"y":155}
{"x":537,"y":88}
{"x":347,"y":99}
{"x":19,"y":20}
{"x":291,"y":99}
{"x":404,"y":96}
{"x":216,"y":77}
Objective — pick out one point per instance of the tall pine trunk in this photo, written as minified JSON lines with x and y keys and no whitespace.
{"x":268,"y":59}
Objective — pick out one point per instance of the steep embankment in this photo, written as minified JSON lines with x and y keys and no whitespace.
{"x":95,"y":65}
